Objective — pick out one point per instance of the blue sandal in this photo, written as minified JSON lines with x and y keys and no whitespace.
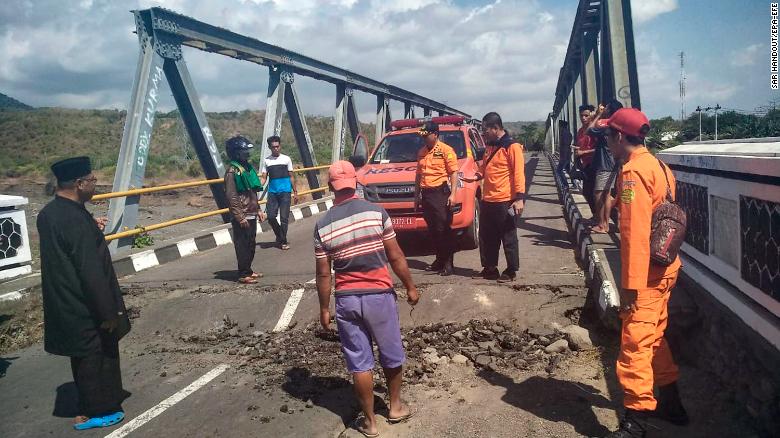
{"x":104,"y":421}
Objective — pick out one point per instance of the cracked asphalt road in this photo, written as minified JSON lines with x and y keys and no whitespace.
{"x":190,"y":320}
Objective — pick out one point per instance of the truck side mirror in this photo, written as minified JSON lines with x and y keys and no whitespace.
{"x":359,"y":155}
{"x":357,"y":161}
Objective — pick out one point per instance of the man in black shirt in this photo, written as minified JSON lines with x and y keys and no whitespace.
{"x":564,"y":160}
{"x":83,"y":311}
{"x":604,"y":167}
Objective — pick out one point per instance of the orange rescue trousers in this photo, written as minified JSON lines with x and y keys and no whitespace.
{"x":645,"y":358}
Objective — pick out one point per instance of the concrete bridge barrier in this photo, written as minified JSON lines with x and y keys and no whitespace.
{"x":725,"y":312}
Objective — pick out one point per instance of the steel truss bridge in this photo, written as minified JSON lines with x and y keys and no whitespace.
{"x":161,"y":35}
{"x":600,"y":64}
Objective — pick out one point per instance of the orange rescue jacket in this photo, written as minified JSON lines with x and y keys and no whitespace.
{"x":641,"y":188}
{"x":435,"y":166}
{"x":505,"y":174}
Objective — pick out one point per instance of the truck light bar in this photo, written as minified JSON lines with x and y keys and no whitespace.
{"x":413,"y":123}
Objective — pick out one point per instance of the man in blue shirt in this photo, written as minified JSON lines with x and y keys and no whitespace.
{"x":277,"y":171}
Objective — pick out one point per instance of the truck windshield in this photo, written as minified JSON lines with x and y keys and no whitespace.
{"x":403,"y":148}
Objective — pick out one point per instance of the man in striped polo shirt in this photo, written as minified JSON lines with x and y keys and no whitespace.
{"x":358,"y":238}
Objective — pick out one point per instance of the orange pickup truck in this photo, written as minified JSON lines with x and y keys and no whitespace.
{"x":387,"y":175}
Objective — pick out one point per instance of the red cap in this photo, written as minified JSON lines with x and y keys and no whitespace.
{"x":341,"y":175}
{"x":629,"y":121}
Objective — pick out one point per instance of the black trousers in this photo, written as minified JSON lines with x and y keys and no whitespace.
{"x":588,"y":184}
{"x":244,"y":242}
{"x":496,"y":226}
{"x":438,"y":217}
{"x":98,"y":380}
{"x":279,"y":203}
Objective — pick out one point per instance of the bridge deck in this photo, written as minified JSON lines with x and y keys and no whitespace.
{"x":191,"y":297}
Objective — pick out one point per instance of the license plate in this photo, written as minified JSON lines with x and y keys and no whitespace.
{"x":402,"y":221}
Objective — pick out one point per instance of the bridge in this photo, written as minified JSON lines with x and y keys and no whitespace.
{"x":208,"y":357}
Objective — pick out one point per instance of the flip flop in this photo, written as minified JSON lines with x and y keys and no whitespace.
{"x":257,"y":275}
{"x":247,"y":280}
{"x":104,"y":421}
{"x":401,"y":419}
{"x":357,"y":424}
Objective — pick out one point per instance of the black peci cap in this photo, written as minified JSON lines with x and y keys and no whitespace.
{"x":70,"y":169}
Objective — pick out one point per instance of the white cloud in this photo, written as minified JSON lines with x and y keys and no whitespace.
{"x":478,"y":11}
{"x":63,"y":55}
{"x":645,"y":10}
{"x":747,"y":56}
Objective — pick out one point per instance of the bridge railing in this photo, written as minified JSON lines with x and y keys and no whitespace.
{"x":146,"y":190}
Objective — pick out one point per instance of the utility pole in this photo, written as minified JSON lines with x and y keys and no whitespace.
{"x":717,"y":107}
{"x":698,"y":110}
{"x":682,"y":86}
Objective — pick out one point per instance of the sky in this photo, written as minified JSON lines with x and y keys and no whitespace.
{"x":476,"y":56}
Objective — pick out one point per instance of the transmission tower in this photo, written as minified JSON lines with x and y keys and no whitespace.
{"x":682,"y":86}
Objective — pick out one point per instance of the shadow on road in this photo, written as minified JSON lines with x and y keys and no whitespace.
{"x":5,"y":363}
{"x":267,"y":245}
{"x":554,"y":400}
{"x":330,"y":392}
{"x":457,"y":272}
{"x":226,"y":275}
{"x":66,"y":404}
{"x":546,"y":236}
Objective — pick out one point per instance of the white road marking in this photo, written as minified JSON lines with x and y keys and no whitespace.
{"x":142,"y":419}
{"x":289,"y":310}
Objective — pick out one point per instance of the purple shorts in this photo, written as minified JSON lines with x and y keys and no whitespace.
{"x":363,"y":318}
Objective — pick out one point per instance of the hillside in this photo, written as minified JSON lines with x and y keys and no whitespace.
{"x":9,"y":103}
{"x":31,"y":140}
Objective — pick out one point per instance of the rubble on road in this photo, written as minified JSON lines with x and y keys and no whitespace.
{"x":272,"y":357}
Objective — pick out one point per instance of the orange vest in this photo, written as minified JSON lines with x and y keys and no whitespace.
{"x":641,"y":188}
{"x":435,"y":166}
{"x":504,"y":175}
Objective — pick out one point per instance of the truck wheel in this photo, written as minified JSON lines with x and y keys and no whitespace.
{"x":470,"y":238}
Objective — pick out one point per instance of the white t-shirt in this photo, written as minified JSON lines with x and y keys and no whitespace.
{"x":278,"y":170}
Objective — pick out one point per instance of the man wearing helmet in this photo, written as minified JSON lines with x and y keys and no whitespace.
{"x":241,"y":187}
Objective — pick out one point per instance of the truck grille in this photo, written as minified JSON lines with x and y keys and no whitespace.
{"x":389,"y":192}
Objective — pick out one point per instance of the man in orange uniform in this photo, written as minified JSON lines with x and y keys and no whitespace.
{"x":645,"y":358}
{"x":437,"y":165}
{"x":503,"y":195}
